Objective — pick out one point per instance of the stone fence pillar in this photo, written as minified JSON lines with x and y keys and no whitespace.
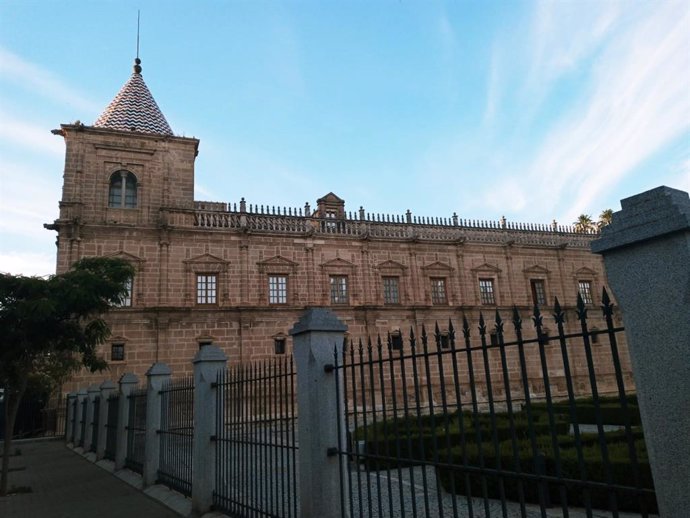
{"x":316,"y":336}
{"x":157,"y":374}
{"x":107,"y":388}
{"x":128,"y":382}
{"x":207,"y":363}
{"x":69,"y":417}
{"x":646,"y":252}
{"x":81,"y":416}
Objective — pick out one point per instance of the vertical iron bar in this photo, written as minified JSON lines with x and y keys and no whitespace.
{"x":372,"y":391}
{"x":549,"y":410}
{"x":582,"y":316}
{"x":511,"y":416}
{"x":607,"y":310}
{"x":408,"y":430}
{"x":396,"y":425}
{"x":363,"y":391}
{"x":492,"y":414}
{"x":355,"y":427}
{"x":475,"y":414}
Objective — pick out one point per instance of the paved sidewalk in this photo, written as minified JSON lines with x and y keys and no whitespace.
{"x":65,"y":485}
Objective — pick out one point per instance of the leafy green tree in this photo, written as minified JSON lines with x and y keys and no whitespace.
{"x":50,"y":327}
{"x":584,"y":224}
{"x":605,"y":218}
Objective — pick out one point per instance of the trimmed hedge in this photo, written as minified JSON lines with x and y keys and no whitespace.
{"x":575,"y":492}
{"x":438,"y":438}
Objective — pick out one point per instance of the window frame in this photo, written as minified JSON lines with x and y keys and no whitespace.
{"x":277,"y":293}
{"x":205,"y":292}
{"x":487,"y":297}
{"x":439,"y":297}
{"x":585,"y":287}
{"x":279,"y":345}
{"x":126,"y":300}
{"x":533,"y":283}
{"x":123,"y":190}
{"x":391,"y":289}
{"x":121,"y":357}
{"x":339,"y":293}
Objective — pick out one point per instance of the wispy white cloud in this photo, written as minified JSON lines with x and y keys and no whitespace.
{"x":493,"y":91}
{"x":28,"y":199}
{"x":33,"y":137}
{"x":632,"y":103}
{"x":27,"y":263}
{"x":14,"y":68}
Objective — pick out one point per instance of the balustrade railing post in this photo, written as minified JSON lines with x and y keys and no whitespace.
{"x":209,"y":360}
{"x":69,"y":416}
{"x":128,"y":382}
{"x":317,"y":335}
{"x":81,"y":416}
{"x":92,"y":392}
{"x":157,"y":374}
{"x":107,"y":388}
{"x":646,"y":251}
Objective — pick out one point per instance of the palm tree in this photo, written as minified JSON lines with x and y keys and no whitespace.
{"x":584,"y":224}
{"x":605,"y":218}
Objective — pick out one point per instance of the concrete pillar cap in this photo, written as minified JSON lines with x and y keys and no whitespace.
{"x":159,"y":369}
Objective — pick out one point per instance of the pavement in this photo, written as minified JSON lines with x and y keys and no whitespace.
{"x":64,"y":484}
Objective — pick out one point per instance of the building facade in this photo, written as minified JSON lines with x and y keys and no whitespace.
{"x":240,"y":275}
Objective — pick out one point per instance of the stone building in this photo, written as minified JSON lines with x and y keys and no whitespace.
{"x":239,"y":275}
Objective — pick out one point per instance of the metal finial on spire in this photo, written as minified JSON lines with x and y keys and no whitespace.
{"x":137,"y":61}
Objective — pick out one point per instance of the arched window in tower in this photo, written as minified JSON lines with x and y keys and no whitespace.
{"x":123,"y":190}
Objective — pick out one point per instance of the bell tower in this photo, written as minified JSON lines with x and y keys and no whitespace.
{"x":121,"y":173}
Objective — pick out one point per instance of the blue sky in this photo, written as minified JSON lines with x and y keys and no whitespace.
{"x":532,"y":110}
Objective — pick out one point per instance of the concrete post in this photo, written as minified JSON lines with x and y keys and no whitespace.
{"x":209,"y":360}
{"x":69,"y":416}
{"x":81,"y":415}
{"x":646,"y":252}
{"x":107,"y":388}
{"x":157,"y":374}
{"x":316,"y":335}
{"x":128,"y":382}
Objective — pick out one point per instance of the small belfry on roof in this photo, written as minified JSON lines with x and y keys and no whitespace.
{"x":134,"y":109}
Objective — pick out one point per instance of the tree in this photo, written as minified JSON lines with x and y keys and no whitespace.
{"x":52,"y":326}
{"x":605,"y":218}
{"x":584,"y":224}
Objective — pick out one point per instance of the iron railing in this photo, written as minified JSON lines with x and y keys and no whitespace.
{"x":136,"y":430}
{"x":113,"y":403}
{"x":82,"y":423}
{"x":176,"y":434}
{"x":94,"y":423}
{"x":75,"y":420}
{"x":256,"y":442}
{"x":446,"y":427}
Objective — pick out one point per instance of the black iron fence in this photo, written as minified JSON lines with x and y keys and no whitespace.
{"x":94,"y":423}
{"x":111,"y":423}
{"x":82,"y":423}
{"x":176,"y":435}
{"x":136,"y":430}
{"x":256,"y":445}
{"x":459,"y":426}
{"x":75,"y":419}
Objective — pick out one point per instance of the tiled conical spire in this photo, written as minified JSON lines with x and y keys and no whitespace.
{"x":134,"y":108}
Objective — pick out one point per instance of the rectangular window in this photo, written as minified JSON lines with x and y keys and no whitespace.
{"x":117,"y":352}
{"x":339,"y":289}
{"x":445,"y":341}
{"x":330,"y":217}
{"x":126,"y":299}
{"x":206,"y":289}
{"x":585,"y":288}
{"x":277,"y":289}
{"x":396,"y":341}
{"x":391,"y":290}
{"x":279,"y":345}
{"x":493,"y":339}
{"x":438,"y":291}
{"x":486,"y":292}
{"x":538,"y":292}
